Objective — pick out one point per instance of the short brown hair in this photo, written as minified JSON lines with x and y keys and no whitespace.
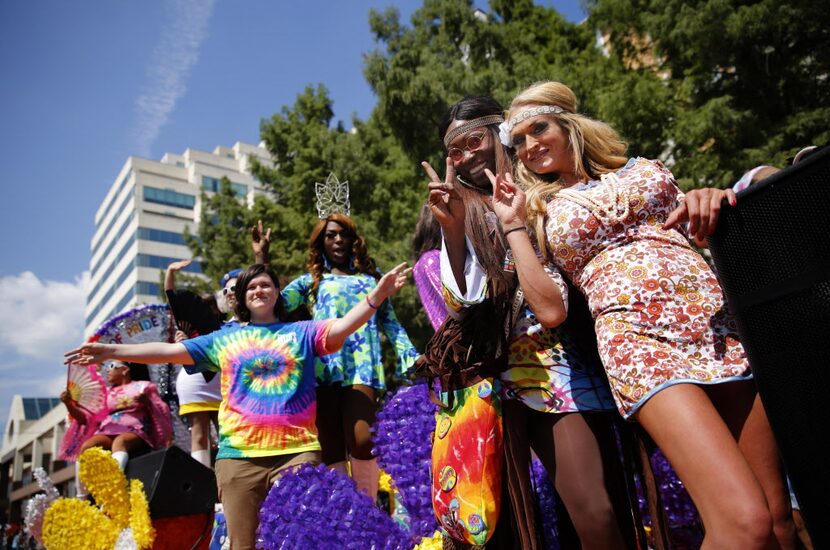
{"x":242,"y":282}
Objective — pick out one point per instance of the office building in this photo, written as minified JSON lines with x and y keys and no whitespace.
{"x":140,"y":223}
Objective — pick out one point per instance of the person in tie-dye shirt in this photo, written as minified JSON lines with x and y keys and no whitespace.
{"x":341,"y":273}
{"x":268,"y":410}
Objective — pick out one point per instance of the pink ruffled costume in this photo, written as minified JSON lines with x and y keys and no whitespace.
{"x":125,"y":413}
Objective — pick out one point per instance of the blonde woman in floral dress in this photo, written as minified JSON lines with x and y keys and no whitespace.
{"x":667,"y":342}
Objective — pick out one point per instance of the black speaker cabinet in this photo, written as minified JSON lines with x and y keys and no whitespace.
{"x":175,"y":483}
{"x":772,"y":254}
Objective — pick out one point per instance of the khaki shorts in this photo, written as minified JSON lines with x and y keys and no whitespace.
{"x":243,"y":485}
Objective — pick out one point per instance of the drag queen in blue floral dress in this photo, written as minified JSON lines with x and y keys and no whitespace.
{"x":341,"y":274}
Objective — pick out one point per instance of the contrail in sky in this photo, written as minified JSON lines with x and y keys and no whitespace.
{"x":173,"y":57}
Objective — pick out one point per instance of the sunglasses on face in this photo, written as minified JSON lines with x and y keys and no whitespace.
{"x":113,"y":366}
{"x":471,"y":143}
{"x":228,"y":290}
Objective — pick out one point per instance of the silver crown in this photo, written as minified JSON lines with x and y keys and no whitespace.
{"x":332,"y":197}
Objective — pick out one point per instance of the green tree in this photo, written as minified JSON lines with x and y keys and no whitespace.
{"x":223,"y":241}
{"x":747,"y":79}
{"x":452,"y":50}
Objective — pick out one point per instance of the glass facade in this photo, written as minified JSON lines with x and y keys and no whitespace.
{"x":169,"y":197}
{"x":212,"y":185}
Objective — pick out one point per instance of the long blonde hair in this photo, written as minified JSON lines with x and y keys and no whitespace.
{"x":596,"y":149}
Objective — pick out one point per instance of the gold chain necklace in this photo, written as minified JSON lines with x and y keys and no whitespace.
{"x":607,"y":214}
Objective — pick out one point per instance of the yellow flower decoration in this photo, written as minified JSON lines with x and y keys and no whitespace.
{"x":436,"y":542}
{"x":140,"y":521}
{"x":107,"y":484}
{"x":74,"y":523}
{"x":385,"y":483}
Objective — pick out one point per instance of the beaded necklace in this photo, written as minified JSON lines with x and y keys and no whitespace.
{"x":607,"y":214}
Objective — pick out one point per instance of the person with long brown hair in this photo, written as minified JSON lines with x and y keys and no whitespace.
{"x":555,"y":400}
{"x":340,"y":274}
{"x":667,"y":341}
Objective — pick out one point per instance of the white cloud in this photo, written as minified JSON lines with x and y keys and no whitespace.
{"x":173,"y":58}
{"x":41,"y":319}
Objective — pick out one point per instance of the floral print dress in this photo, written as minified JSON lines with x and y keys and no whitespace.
{"x":359,"y":361}
{"x":659,"y":311}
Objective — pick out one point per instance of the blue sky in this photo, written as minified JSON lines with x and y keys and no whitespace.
{"x":85,"y":84}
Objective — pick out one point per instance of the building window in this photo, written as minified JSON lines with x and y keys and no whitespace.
{"x":161,"y":262}
{"x":169,"y":197}
{"x":160,"y":236}
{"x":148,"y":289}
{"x":105,"y":255}
{"x":212,"y":185}
{"x":121,"y":186}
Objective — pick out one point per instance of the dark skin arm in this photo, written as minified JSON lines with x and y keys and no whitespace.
{"x":72,"y":406}
{"x":261,"y":243}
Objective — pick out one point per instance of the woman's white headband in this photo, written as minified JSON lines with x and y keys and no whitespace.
{"x":506,"y":127}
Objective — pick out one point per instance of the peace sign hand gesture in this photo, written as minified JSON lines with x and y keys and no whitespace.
{"x":261,"y":243}
{"x":444,"y":200}
{"x":508,"y":200}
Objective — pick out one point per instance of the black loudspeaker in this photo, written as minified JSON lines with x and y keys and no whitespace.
{"x":176,"y":484}
{"x":772,"y":254}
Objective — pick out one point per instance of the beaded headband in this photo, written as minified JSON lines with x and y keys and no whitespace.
{"x":469,"y":125}
{"x":506,"y":127}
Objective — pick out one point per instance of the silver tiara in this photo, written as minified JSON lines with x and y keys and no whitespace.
{"x":332,"y":197}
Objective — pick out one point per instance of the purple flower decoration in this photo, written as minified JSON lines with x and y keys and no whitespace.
{"x":546,"y":497}
{"x":403,"y":443}
{"x":317,"y":507}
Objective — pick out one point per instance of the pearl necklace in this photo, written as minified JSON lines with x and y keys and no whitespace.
{"x":607,"y":214}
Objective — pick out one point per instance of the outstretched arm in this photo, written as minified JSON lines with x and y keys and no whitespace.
{"x":151,"y":352}
{"x":388,"y":285}
{"x":541,"y":292}
{"x":170,"y":274}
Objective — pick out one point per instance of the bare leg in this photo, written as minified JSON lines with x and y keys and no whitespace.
{"x":686,"y":426}
{"x":330,"y":424}
{"x":200,"y":436}
{"x":199,"y":430}
{"x":127,"y":442}
{"x":744,"y":414}
{"x":359,"y":408}
{"x":568,"y":447}
{"x":98,"y":440}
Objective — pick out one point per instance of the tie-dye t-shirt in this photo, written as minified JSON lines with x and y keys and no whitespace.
{"x":268,"y":388}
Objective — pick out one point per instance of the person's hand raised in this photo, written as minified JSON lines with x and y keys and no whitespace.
{"x":260,"y":242}
{"x":444,"y":200}
{"x":508,"y":200}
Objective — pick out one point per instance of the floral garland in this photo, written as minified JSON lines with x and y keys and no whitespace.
{"x":121,"y":522}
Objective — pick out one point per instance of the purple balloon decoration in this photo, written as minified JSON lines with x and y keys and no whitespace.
{"x":317,"y":507}
{"x":546,"y":498}
{"x":402,"y":437}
